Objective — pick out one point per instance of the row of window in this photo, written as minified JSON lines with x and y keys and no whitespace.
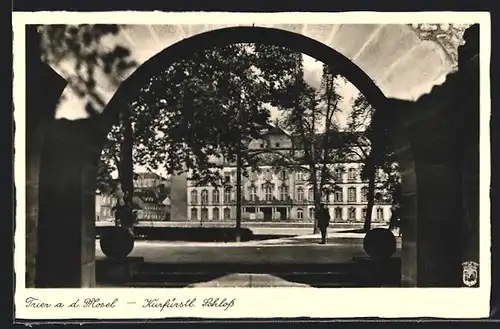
{"x":108,"y":200}
{"x":338,"y":213}
{"x":267,"y":144}
{"x":147,"y":183}
{"x":352,"y":175}
{"x":147,"y":216}
{"x":149,"y":212}
{"x":283,"y":195}
{"x":106,"y":212}
{"x":150,"y":216}
{"x":215,"y":213}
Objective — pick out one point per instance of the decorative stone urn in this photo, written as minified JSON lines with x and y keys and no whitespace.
{"x":379,"y":244}
{"x":118,"y":241}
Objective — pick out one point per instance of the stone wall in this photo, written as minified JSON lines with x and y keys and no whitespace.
{"x":437,"y":144}
{"x":41,"y":103}
{"x":66,"y":237}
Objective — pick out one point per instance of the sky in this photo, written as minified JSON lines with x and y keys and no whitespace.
{"x":71,"y":106}
{"x":147,"y":40}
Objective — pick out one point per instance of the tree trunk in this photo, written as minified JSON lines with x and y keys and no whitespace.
{"x":393,"y":221}
{"x":371,"y":201}
{"x":238,"y":198}
{"x":127,"y":174}
{"x":317,"y":205}
{"x":317,"y":198}
{"x":239,"y":164}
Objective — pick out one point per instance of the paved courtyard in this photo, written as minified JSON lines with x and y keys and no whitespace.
{"x":341,"y":247}
{"x":287,"y":261}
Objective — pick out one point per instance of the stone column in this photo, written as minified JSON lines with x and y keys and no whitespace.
{"x":443,"y":130}
{"x":33,"y":154}
{"x":40,"y":108}
{"x":471,"y":201}
{"x":66,"y":236}
{"x":429,"y":150}
{"x":471,"y":149}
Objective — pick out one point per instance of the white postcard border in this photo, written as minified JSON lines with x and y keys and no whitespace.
{"x":256,"y":302}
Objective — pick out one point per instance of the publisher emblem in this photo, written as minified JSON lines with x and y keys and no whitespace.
{"x":470,"y":273}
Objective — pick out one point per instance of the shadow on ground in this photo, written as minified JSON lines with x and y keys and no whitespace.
{"x":193,"y":234}
{"x":358,"y":273}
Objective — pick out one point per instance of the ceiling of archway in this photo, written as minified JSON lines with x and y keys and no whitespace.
{"x":401,"y":59}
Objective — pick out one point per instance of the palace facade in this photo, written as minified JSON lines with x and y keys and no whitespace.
{"x":284,"y":195}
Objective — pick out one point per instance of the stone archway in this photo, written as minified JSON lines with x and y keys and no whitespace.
{"x":69,"y":262}
{"x":71,"y":149}
{"x":266,"y":35}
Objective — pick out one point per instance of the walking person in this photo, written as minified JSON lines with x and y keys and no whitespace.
{"x":323,"y":222}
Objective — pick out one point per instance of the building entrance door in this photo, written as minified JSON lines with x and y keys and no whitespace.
{"x":283,"y":213}
{"x":268,"y":214}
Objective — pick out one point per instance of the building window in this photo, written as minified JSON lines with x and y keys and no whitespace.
{"x":326,"y":197}
{"x":300,"y":213}
{"x":352,"y":213}
{"x":204,"y":196}
{"x":277,"y":144}
{"x":227,"y":213}
{"x":227,"y":177}
{"x":194,"y":196}
{"x":310,"y":194}
{"x":352,"y":174}
{"x":351,"y":194}
{"x":380,"y":214}
{"x":338,"y":213}
{"x":215,"y":214}
{"x":300,"y":176}
{"x":311,"y":213}
{"x":253,"y":193}
{"x":194,"y":214}
{"x":338,"y":174}
{"x":215,"y":196}
{"x":284,"y":193}
{"x":338,"y":195}
{"x":364,"y":213}
{"x":364,"y":194}
{"x":300,"y":194}
{"x":283,"y":175}
{"x":227,"y":195}
{"x":269,"y":193}
{"x":204,"y":214}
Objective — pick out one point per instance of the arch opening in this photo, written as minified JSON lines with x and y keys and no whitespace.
{"x":296,"y":42}
{"x":232,"y":35}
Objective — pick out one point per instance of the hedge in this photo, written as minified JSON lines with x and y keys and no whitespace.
{"x":198,"y":234}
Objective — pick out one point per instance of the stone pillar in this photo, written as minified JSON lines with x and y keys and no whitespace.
{"x":33,"y":153}
{"x":40,"y":108}
{"x":471,"y":147}
{"x":178,"y":192}
{"x":471,"y":199}
{"x":66,"y":235}
{"x":430,"y":151}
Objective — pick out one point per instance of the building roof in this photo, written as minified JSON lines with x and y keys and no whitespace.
{"x":275,"y":131}
{"x":336,"y":139}
{"x":148,"y":174}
